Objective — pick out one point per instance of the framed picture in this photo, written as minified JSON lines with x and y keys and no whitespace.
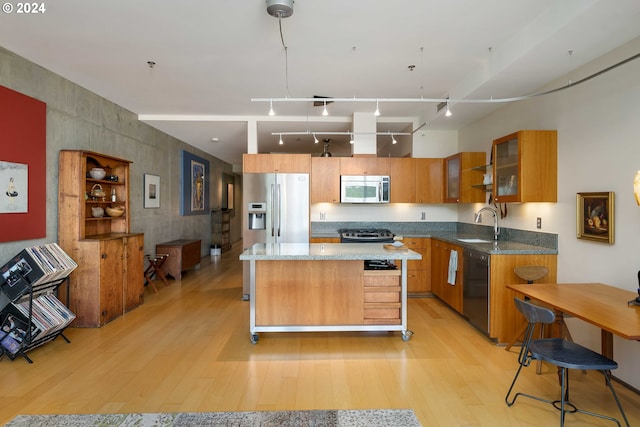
{"x":595,"y":216}
{"x":195,"y":185}
{"x":151,"y":191}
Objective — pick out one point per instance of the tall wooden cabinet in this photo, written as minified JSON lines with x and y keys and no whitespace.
{"x":109,"y":279}
{"x":440,"y":258}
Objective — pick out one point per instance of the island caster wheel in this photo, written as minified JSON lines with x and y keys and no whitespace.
{"x":406,"y":335}
{"x":254,"y":338}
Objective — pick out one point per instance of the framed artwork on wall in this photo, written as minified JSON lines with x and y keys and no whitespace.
{"x":595,"y":216}
{"x":151,"y":191}
{"x":194,"y":199}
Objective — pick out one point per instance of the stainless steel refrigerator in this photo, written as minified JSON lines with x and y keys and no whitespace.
{"x":277,"y":211}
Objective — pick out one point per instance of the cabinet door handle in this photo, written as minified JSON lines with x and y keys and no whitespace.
{"x":103,"y":256}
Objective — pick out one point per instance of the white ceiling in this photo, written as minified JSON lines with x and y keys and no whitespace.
{"x":212,"y":57}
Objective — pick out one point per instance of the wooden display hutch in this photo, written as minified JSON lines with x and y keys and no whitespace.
{"x":109,"y":280}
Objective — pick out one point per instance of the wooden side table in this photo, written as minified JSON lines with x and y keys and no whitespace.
{"x":183,"y":254}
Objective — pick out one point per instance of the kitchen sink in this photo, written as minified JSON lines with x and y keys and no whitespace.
{"x":474,"y":241}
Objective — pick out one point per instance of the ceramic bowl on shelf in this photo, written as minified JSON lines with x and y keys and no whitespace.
{"x":97,"y":212}
{"x":115,"y":211}
{"x":97,"y":173}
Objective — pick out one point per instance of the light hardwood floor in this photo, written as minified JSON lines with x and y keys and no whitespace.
{"x":187,"y":349}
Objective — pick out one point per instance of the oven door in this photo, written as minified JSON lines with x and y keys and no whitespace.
{"x":364,"y":189}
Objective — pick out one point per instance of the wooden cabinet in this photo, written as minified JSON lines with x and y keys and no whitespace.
{"x":419,"y":271}
{"x":403,"y":179}
{"x":416,"y":180}
{"x":440,"y":256}
{"x":381,"y":293}
{"x":109,"y":279}
{"x":270,"y":163}
{"x":525,"y":167}
{"x":429,"y":186}
{"x":364,"y":166}
{"x":504,"y":319}
{"x":325,"y":180}
{"x":461,"y":177}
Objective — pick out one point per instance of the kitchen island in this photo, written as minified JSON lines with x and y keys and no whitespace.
{"x":314,"y":287}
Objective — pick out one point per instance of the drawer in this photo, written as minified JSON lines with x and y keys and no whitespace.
{"x":392,"y":278}
{"x":382,"y":296}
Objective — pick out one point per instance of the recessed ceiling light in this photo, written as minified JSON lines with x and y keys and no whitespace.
{"x":215,"y":139}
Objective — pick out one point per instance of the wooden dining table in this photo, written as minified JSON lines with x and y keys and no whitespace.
{"x":601,"y":305}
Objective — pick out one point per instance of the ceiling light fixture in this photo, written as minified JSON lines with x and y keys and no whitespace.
{"x":281,"y":142}
{"x":324,"y":110}
{"x":351,"y":141}
{"x":280,"y":8}
{"x":315,"y":140}
{"x":393,"y":140}
{"x":448,"y":113}
{"x":377,"y":112}
{"x":271,"y":112}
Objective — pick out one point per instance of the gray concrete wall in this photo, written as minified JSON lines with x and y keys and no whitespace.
{"x":80,"y":119}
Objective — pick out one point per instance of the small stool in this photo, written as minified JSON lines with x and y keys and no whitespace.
{"x":530,"y":273}
{"x":155,"y":262}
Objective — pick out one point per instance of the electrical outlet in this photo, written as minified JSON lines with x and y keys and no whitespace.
{"x":539,"y":223}
{"x":321,"y":216}
{"x":423,"y":216}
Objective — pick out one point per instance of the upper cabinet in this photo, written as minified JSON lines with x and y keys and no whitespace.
{"x":429,"y":173}
{"x":86,"y":200}
{"x":325,"y":180}
{"x":461,"y":177}
{"x":525,"y":167}
{"x":403,"y":180}
{"x":364,"y":166}
{"x":276,"y":163}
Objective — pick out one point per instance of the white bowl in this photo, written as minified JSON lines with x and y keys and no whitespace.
{"x":97,"y":173}
{"x":397,"y":244}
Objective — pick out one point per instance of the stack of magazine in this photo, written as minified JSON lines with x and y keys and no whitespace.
{"x":29,"y":309}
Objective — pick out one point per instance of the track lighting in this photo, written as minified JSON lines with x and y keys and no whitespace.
{"x":281,"y":142}
{"x":351,"y":141}
{"x":393,"y":139}
{"x":448,"y":113}
{"x":324,"y":111}
{"x":271,"y":112}
{"x":377,"y":113}
{"x":315,"y":140}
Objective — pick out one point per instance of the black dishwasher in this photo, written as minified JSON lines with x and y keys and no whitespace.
{"x":475,"y":289}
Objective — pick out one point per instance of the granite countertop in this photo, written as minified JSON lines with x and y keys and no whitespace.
{"x":503,"y":247}
{"x":325,"y":251}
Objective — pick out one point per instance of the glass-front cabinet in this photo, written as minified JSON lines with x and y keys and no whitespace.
{"x":506,"y":174}
{"x":463,"y":179}
{"x":525,"y":167}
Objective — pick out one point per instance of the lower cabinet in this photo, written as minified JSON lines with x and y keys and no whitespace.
{"x":418,"y":271}
{"x":109,"y":280}
{"x":440,"y":258}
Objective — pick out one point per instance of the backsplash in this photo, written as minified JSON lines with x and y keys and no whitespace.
{"x":546,"y":240}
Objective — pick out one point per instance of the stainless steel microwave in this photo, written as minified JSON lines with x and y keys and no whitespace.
{"x":364,"y":189}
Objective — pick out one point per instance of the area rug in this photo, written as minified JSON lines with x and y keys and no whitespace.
{"x":316,"y":418}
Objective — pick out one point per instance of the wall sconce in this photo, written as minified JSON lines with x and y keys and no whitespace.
{"x":636,"y":187}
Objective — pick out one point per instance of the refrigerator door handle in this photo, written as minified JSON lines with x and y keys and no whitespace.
{"x":273,"y":209}
{"x":279,"y":204}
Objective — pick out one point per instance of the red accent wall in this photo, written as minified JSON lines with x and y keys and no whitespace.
{"x":23,"y":123}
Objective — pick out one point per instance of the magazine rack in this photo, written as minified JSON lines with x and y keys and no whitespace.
{"x":30,"y":312}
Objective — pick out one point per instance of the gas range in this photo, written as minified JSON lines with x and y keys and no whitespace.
{"x":369,"y":235}
{"x":365,"y":235}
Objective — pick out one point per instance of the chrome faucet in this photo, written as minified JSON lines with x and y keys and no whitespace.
{"x":477,"y":218}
